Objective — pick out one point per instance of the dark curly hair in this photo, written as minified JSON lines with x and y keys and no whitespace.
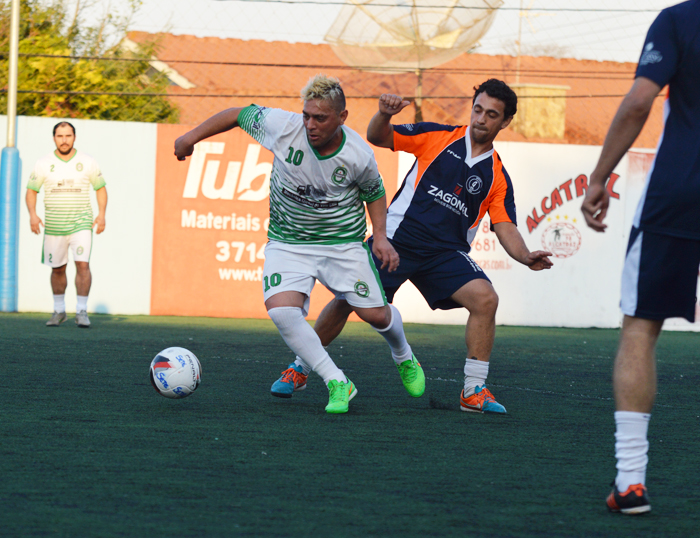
{"x":498,"y":90}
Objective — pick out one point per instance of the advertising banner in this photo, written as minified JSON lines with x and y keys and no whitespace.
{"x":583,"y":287}
{"x":187,"y":238}
{"x":210,"y":226}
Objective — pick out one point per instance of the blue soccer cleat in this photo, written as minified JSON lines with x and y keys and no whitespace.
{"x":482,"y":401}
{"x":292,"y":380}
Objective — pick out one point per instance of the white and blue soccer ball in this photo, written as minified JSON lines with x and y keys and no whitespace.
{"x":175,"y":372}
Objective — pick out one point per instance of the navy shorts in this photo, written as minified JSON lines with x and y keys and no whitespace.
{"x":660,"y":276}
{"x":436,"y":274}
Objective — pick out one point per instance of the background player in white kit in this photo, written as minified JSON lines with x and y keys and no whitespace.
{"x":67,"y":175}
{"x":323,"y":173}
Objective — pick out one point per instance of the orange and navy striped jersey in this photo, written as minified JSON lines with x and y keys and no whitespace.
{"x":447,"y":192}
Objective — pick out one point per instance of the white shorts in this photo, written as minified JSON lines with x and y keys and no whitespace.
{"x":346,"y":269}
{"x":55,"y":253}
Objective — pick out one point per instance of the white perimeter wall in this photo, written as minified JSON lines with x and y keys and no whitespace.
{"x":121,"y":255}
{"x":582,"y":290}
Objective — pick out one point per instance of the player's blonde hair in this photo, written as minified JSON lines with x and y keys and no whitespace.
{"x":325,"y":89}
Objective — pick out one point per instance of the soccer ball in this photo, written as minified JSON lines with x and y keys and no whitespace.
{"x":175,"y":372}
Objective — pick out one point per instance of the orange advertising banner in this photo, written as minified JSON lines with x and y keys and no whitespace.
{"x":210,"y":226}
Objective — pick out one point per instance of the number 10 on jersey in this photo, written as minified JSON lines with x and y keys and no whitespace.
{"x":239,"y":248}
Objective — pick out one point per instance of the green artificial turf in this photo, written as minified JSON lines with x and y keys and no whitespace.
{"x":89,"y":449}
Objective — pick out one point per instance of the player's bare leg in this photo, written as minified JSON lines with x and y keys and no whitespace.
{"x":83,"y":278}
{"x":634,"y":373}
{"x":378,"y":317}
{"x":479,"y":297}
{"x":332,"y":320}
{"x":59,"y":283}
{"x":59,"y":280}
{"x":83,"y":283}
{"x":634,"y":385}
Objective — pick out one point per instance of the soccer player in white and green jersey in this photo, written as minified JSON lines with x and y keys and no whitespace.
{"x":67,"y":175}
{"x":323,"y":174}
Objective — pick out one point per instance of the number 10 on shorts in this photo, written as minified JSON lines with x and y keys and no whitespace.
{"x":274,"y":280}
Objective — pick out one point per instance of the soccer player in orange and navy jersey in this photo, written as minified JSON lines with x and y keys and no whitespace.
{"x":660,"y":275}
{"x":456,"y":179}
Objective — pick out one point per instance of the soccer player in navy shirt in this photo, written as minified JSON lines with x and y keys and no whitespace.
{"x":659,"y":278}
{"x":457,"y":178}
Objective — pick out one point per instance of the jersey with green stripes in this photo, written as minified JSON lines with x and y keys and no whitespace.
{"x":314,"y":198}
{"x":66,"y":191}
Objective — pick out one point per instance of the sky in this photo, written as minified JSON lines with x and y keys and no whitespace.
{"x":583,"y":29}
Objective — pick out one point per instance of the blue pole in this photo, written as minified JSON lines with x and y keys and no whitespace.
{"x":10,"y":166}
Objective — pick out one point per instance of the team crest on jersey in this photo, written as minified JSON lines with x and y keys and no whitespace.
{"x":361,"y":288}
{"x":79,"y":167}
{"x":339,"y":175}
{"x":474,"y":184}
{"x":650,"y":56}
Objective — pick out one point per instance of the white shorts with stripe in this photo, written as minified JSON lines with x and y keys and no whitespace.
{"x":55,"y":252}
{"x":345,"y":269}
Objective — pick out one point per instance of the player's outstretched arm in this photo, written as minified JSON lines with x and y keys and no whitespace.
{"x":101,"y":195}
{"x":35,"y":223}
{"x":380,"y":132}
{"x":381,"y":247}
{"x":626,"y":126}
{"x":218,"y":123}
{"x":515,"y":246}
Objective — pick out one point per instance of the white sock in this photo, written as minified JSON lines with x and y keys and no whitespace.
{"x":59,"y":303}
{"x":631,"y":448}
{"x":82,"y":303}
{"x":396,"y":338}
{"x":306,"y":369}
{"x":475,"y":373}
{"x":302,"y":340}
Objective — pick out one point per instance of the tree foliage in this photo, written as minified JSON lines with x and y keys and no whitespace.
{"x":47,"y":28}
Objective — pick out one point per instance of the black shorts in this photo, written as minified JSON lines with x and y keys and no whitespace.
{"x":436,"y":274}
{"x":660,"y":276}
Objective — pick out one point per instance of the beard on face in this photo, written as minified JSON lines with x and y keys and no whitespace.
{"x":62,"y":149}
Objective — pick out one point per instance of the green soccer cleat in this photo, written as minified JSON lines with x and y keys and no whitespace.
{"x":412,"y":376}
{"x":339,"y":395}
